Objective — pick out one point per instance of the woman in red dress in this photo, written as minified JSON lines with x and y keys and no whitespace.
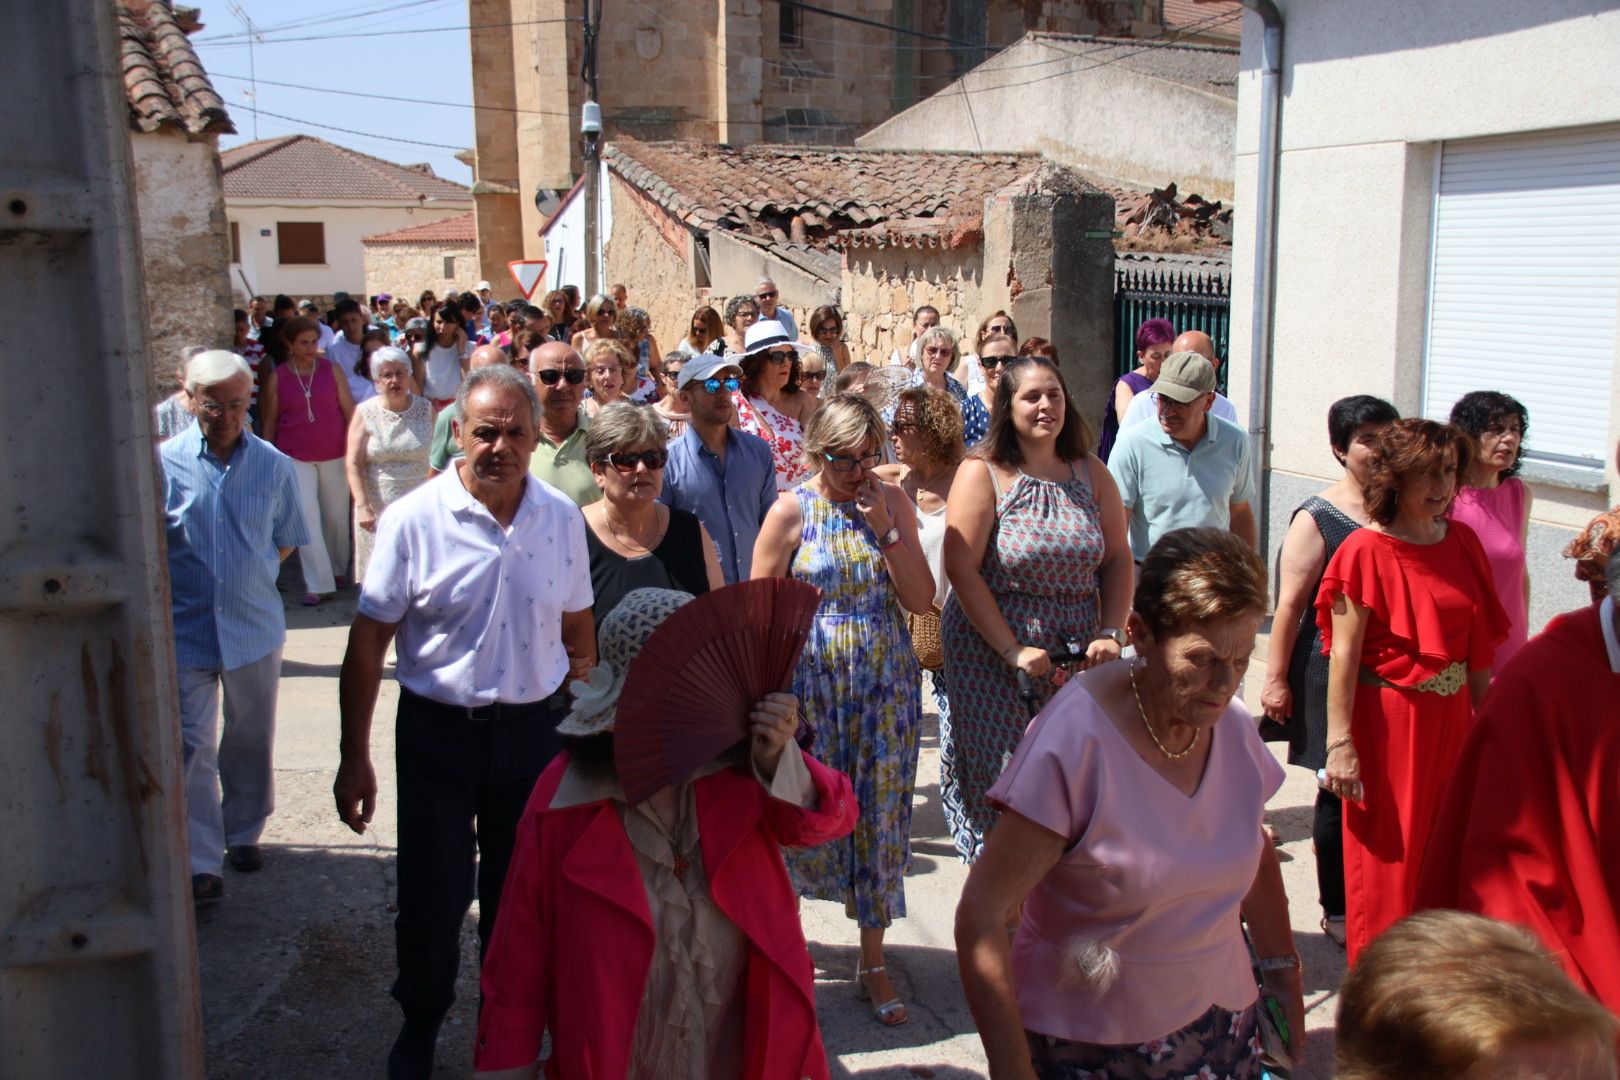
{"x":1409,"y":620}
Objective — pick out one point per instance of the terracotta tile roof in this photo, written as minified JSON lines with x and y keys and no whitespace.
{"x":840,"y":195}
{"x":164,"y":81}
{"x":1218,"y":19}
{"x":461,"y":229}
{"x":304,"y":167}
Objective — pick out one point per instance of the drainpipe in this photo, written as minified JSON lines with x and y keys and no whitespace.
{"x":1265,"y":255}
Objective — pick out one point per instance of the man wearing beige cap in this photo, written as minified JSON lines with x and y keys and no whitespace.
{"x":1188,"y":470}
{"x":1144,"y":407}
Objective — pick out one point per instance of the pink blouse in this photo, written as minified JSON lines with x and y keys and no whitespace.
{"x":310,"y":426}
{"x":1497,"y":517}
{"x":1151,"y":874}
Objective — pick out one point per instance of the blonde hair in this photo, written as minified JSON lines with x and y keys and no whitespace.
{"x":1442,"y":991}
{"x":843,"y":422}
{"x":626,"y":359}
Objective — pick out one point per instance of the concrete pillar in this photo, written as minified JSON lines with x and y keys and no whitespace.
{"x":1049,"y":261}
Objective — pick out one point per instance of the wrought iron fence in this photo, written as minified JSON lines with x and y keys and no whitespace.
{"x":1191,"y":301}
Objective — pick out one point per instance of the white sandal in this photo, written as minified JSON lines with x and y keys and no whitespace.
{"x":891,"y":1013}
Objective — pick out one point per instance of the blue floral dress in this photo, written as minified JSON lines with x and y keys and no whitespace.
{"x":859,"y":689}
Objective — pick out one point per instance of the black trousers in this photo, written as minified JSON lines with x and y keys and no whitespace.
{"x":463,"y":783}
{"x":1327,"y":833}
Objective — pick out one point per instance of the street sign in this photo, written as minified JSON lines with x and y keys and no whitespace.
{"x":528,"y":273}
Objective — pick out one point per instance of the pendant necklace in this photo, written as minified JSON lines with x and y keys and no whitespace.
{"x":309,"y":391}
{"x":678,"y":861}
{"x":1173,"y":755}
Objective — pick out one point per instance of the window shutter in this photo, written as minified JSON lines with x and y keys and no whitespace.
{"x":1525,"y":284}
{"x":301,"y":243}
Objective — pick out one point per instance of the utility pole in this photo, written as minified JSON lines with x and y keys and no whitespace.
{"x":590,"y":126}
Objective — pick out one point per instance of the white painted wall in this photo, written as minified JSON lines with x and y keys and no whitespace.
{"x":344,"y":269}
{"x":1371,"y":89}
{"x":564,"y":241}
{"x":1052,"y":97}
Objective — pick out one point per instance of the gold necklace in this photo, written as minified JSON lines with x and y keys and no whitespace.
{"x":628,"y":537}
{"x":1173,"y":755}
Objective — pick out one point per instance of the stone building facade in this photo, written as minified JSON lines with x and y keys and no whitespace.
{"x":437,"y":255}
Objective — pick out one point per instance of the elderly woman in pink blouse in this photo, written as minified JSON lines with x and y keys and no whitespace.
{"x":1130,"y":834}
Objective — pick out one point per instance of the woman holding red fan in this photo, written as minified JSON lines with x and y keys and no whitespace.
{"x":659,"y":937}
{"x":855,"y":538}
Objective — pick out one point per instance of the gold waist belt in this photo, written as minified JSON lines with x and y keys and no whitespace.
{"x":1448,"y":682}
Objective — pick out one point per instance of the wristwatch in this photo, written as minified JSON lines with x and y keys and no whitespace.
{"x":890,"y":538}
{"x":1113,"y":633}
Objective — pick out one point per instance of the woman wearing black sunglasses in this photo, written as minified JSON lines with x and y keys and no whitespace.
{"x":634,"y":541}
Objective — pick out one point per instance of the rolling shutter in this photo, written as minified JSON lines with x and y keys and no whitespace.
{"x":1525,"y":284}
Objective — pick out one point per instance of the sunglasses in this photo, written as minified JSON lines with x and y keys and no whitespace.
{"x":937,"y":350}
{"x":993,"y":362}
{"x":828,"y":328}
{"x":781,"y":356}
{"x":668,"y":374}
{"x":606,"y":313}
{"x":816,"y":375}
{"x":838,"y":463}
{"x":765,"y":295}
{"x":552,"y":376}
{"x":1003,"y":329}
{"x":713,"y":386}
{"x":626,"y":463}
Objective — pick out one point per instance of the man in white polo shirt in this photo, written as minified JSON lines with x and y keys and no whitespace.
{"x":483,"y":573}
{"x":1188,"y":470}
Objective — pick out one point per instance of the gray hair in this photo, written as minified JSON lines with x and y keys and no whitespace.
{"x":939,"y":333}
{"x":500,"y":377}
{"x":621,"y":426}
{"x":764,"y":281}
{"x":211,"y":367}
{"x":388,"y":354}
{"x":1611,"y":574}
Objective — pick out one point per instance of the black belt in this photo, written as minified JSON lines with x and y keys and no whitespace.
{"x":493,"y":713}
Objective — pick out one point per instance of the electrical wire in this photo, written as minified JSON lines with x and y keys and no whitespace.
{"x":351,"y":131}
{"x":318,"y":20}
{"x":387,"y":33}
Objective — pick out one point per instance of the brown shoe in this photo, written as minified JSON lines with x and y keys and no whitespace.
{"x":206,"y":888}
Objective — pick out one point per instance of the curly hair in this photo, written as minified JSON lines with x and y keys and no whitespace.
{"x":1481,"y":410}
{"x":938,"y":420}
{"x":632,"y":323}
{"x":1592,"y":549}
{"x":735,"y":304}
{"x":1407,"y":451}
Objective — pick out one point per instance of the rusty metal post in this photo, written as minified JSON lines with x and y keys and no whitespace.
{"x":98,"y":972}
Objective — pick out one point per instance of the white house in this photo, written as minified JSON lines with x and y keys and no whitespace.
{"x":1447,"y":220}
{"x":299,"y":208}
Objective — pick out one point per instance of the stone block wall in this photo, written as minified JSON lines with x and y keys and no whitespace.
{"x":647,"y":252}
{"x":883,"y":286}
{"x":406,"y":269}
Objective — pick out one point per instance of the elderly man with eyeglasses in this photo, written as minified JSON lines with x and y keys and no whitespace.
{"x":231,"y":515}
{"x":724,"y":476}
{"x":766,"y":293}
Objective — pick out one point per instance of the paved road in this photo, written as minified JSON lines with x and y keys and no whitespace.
{"x":297,"y":960}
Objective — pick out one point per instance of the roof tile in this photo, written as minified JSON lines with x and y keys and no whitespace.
{"x":304,"y":167}
{"x":462,"y":229}
{"x":164,"y":82}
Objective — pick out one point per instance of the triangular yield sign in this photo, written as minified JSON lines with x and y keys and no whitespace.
{"x":528,"y":273}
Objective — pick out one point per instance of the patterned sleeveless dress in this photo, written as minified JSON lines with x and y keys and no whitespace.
{"x":859,"y":690}
{"x":1041,"y":566}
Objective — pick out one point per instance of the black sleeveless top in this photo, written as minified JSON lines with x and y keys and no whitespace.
{"x":676,"y":563}
{"x":1307,"y":667}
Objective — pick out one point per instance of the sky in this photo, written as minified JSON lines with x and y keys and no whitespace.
{"x":394,"y":48}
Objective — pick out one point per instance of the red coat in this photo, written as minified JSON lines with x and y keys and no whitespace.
{"x":574,"y":939}
{"x":1529,"y":831}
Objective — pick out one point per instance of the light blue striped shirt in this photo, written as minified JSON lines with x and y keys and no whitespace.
{"x":225,"y":523}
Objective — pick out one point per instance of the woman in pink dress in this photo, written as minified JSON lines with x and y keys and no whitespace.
{"x":1130,"y":840}
{"x":1495,"y":503}
{"x":771,"y":404}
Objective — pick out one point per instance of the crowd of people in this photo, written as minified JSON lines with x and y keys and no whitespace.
{"x":523,"y":493}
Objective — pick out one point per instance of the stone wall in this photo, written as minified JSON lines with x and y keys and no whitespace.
{"x":647,"y":251}
{"x":883,"y":286}
{"x":185,"y":248}
{"x":406,"y":269}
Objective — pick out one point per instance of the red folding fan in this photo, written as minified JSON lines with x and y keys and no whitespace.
{"x":688,"y":693}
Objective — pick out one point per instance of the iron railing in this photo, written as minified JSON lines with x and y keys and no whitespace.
{"x":1190,"y":300}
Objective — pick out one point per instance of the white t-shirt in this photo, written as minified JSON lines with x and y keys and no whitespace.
{"x":1144,"y":406}
{"x":443,"y":376}
{"x":479,"y":607}
{"x":344,"y":353}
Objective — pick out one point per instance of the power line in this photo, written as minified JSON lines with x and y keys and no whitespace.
{"x":391,"y":33}
{"x":891,"y":27}
{"x":340,"y":15}
{"x":351,"y":131}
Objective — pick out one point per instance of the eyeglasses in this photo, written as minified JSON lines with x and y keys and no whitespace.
{"x":838,"y":463}
{"x":668,"y":374}
{"x":937,"y":350}
{"x":552,"y":376}
{"x":713,"y":386}
{"x":1004,"y":328}
{"x":781,"y":356}
{"x":995,"y":361}
{"x":626,"y":463}
{"x":828,"y":328}
{"x":769,"y":295}
{"x":215,"y":408}
{"x":816,"y":375}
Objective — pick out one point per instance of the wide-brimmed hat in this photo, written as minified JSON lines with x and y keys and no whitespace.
{"x":769,"y":334}
{"x":1184,"y":376}
{"x":622,"y":634}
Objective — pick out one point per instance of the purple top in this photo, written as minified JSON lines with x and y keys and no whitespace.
{"x":1110,"y":425}
{"x":1497,"y":516}
{"x":1152,"y":874}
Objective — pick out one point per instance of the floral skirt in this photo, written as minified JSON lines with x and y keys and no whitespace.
{"x":1220,"y":1045}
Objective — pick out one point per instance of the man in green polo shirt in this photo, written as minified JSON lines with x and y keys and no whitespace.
{"x":1188,"y":470}
{"x":559,"y":459}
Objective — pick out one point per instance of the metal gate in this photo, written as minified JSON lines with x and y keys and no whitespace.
{"x":1190,"y":300}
